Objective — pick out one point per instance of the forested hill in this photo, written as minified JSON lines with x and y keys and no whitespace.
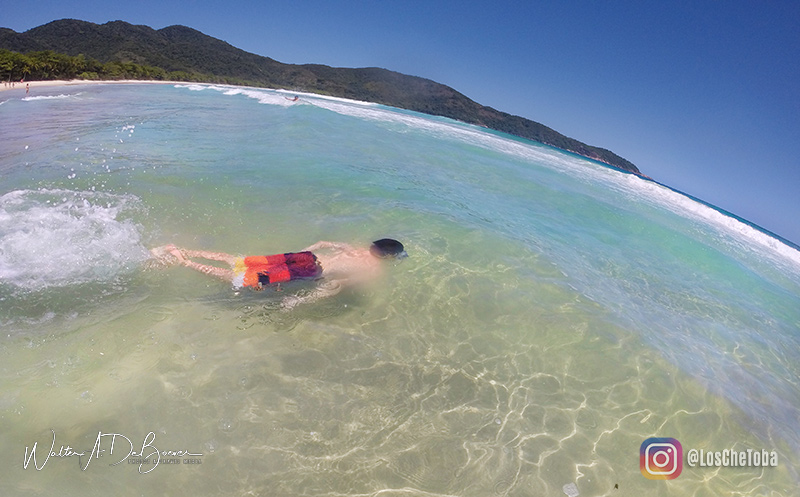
{"x":193,"y":55}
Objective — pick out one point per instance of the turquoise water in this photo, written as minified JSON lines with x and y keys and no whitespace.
{"x":552,"y":315}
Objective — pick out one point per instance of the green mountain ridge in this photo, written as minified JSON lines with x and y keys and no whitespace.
{"x":180,"y":49}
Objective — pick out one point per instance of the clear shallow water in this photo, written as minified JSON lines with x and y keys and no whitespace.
{"x":553,"y":313}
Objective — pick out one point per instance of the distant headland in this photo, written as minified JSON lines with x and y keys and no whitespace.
{"x":73,"y":49}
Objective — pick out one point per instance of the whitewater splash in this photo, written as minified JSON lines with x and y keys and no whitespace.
{"x":51,"y":97}
{"x":56,"y":238}
{"x":263,"y":97}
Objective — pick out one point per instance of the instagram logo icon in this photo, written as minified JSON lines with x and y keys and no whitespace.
{"x":661,"y":458}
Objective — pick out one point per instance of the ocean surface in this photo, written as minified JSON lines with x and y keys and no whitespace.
{"x":553,"y":313}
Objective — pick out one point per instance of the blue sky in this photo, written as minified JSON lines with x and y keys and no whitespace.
{"x":702,"y":96}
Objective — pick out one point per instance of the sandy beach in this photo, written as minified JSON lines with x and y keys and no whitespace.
{"x":73,"y":82}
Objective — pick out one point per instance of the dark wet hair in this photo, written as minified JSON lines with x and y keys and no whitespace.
{"x":386,"y":247}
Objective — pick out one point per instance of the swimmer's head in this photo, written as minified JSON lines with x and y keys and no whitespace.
{"x":387,"y":248}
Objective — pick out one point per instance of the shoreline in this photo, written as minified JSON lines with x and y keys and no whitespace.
{"x":77,"y":82}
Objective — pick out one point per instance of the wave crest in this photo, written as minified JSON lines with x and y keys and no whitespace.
{"x":51,"y":97}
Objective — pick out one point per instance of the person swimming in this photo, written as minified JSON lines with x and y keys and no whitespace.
{"x":337,"y":264}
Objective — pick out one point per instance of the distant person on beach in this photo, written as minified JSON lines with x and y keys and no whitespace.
{"x":27,"y":88}
{"x":338,"y":264}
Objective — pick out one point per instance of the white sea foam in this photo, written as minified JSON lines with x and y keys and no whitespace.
{"x":193,"y":87}
{"x":263,"y":97}
{"x":51,"y":97}
{"x":281,"y":97}
{"x":327,"y":97}
{"x":54,"y":237}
